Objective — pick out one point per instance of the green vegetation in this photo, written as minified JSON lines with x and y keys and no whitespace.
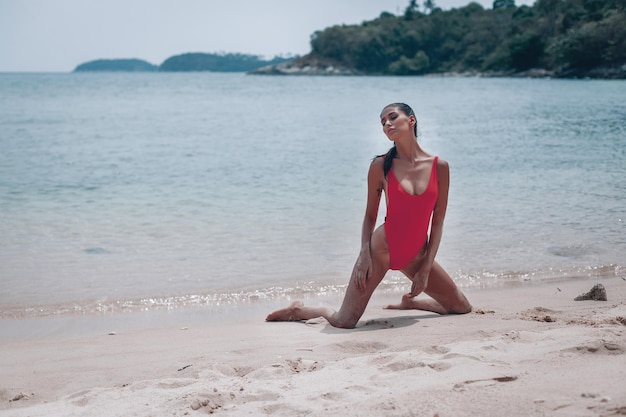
{"x":116,"y":65}
{"x":217,"y":62}
{"x":566,"y":37}
{"x":186,"y":62}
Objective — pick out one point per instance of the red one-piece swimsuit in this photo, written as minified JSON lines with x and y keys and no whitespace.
{"x":408,"y":219}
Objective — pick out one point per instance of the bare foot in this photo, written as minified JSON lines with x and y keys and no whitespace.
{"x":286,"y":314}
{"x":412,"y":303}
{"x":405,"y":304}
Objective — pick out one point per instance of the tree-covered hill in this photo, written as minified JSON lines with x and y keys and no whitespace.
{"x":116,"y":65}
{"x":560,"y":37}
{"x":217,"y":62}
{"x":231,"y":62}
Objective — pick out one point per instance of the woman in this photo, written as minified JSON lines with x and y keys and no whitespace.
{"x":416,"y":192}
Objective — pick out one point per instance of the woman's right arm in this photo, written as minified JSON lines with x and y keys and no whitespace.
{"x":375,"y":186}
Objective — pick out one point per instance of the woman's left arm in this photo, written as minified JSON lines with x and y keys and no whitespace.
{"x":420,"y":281}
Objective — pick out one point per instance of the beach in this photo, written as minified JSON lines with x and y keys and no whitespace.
{"x":525,"y":350}
{"x":146,"y":236}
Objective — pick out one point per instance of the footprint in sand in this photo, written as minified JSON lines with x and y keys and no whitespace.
{"x":601,"y":347}
{"x":380,"y":360}
{"x":332,"y":396}
{"x":490,"y":347}
{"x":242,"y":371}
{"x":462,"y":356}
{"x":440,"y":366}
{"x":438,"y":349}
{"x":361,"y":347}
{"x":540,"y":314}
{"x":285,"y":368}
{"x":175,"y":383}
{"x":403,"y":365}
{"x":213,"y":401}
{"x":81,"y":398}
{"x":358,"y":388}
{"x":303,"y":365}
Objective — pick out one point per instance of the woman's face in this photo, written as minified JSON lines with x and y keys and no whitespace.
{"x":396,"y":123}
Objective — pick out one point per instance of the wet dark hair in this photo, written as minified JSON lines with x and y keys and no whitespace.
{"x":393,"y":152}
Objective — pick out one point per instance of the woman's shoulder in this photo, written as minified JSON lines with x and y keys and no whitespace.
{"x":440,"y":161}
{"x":443,"y":169}
{"x":433,"y":158}
{"x":378,"y":160}
{"x":377,"y":165}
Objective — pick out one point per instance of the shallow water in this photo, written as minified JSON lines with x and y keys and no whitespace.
{"x":149,"y":191}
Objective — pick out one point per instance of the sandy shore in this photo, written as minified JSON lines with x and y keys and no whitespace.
{"x":525,"y":351}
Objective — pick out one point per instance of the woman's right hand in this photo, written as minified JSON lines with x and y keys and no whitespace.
{"x":360,"y":272}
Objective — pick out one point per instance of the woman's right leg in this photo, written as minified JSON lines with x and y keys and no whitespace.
{"x":355,"y":300}
{"x":446,"y":297}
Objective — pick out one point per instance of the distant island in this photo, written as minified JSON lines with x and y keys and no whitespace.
{"x":231,"y":62}
{"x":552,"y":38}
{"x":132,"y":65}
{"x":225,"y":62}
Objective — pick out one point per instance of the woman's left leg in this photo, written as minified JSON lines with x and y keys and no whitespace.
{"x":446,"y":297}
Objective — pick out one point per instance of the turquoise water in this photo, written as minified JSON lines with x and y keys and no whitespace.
{"x":138,"y":191}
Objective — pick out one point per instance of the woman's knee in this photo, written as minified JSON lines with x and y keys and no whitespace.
{"x":343,"y":322}
{"x":467,"y":307}
{"x":464,"y":309}
{"x":461,"y":305}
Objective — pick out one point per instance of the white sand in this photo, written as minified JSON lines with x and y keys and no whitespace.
{"x":526,"y":351}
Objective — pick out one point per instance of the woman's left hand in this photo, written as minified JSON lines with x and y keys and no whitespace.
{"x":420,"y":281}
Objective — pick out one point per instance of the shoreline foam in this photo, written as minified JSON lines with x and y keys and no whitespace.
{"x":392,"y":285}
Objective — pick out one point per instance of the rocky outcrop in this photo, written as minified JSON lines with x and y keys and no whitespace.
{"x":305,"y":66}
{"x":597,"y":293}
{"x":607,"y":73}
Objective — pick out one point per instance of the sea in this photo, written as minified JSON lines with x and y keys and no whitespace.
{"x":141,"y":192}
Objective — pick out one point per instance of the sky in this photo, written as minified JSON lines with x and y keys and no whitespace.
{"x":58,"y":35}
